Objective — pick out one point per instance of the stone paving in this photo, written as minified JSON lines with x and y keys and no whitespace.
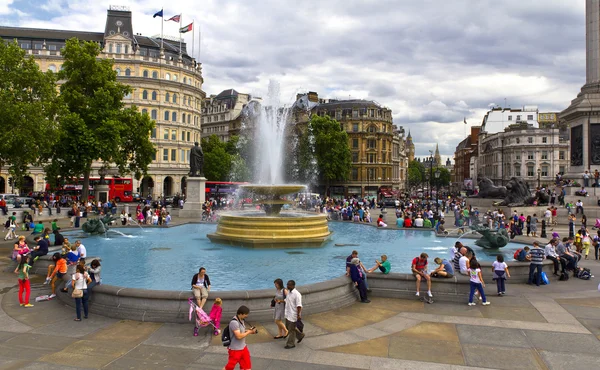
{"x":550,"y":327}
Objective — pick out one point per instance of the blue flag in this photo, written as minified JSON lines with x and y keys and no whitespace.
{"x":158,"y":14}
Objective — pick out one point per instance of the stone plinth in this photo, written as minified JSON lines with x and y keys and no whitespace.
{"x":101,"y":193}
{"x":195,"y":197}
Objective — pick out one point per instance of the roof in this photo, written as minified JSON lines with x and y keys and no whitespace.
{"x":225,"y":94}
{"x":350,"y":104}
{"x":49,"y":35}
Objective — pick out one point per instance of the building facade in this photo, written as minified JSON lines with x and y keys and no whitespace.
{"x":497,"y":119}
{"x":466,"y":149}
{"x":534,"y":154}
{"x":222,"y":114}
{"x":166,"y":83}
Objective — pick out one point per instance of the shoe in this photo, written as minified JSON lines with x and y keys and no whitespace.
{"x":499,"y":294}
{"x":65,"y":290}
{"x":21,"y":304}
{"x":486,"y":303}
{"x":36,"y":258}
{"x":366,"y":301}
{"x":417,"y":294}
{"x":27,"y":305}
{"x":289,"y":347}
{"x":85,"y":317}
{"x":480,"y":298}
{"x":195,"y":332}
{"x":472,"y":303}
{"x":429,"y":293}
{"x":300,"y":338}
{"x":503,"y":293}
{"x":47,"y":281}
{"x":51,"y":296}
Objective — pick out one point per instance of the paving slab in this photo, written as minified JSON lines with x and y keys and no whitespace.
{"x":349,"y":318}
{"x":6,"y":335}
{"x":563,"y":342}
{"x":417,"y":349}
{"x":589,"y":302}
{"x":512,"y":313}
{"x":163,"y":355}
{"x":583,"y":312}
{"x":349,"y":360}
{"x":497,"y":357}
{"x":125,"y":331}
{"x":75,"y":329}
{"x":431,"y":331}
{"x":492,"y":336}
{"x":378,"y":347}
{"x":77,"y":360}
{"x":593,"y":325}
{"x":39,"y":342}
{"x":180,"y":336}
{"x":47,"y":366}
{"x":560,"y":361}
{"x":135,"y":363}
{"x":453,"y":309}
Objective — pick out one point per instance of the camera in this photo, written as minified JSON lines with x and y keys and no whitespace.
{"x":255,"y":330}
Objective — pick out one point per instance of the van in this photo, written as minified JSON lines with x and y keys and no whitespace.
{"x":10,"y":199}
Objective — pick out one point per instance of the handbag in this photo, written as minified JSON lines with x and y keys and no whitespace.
{"x":77,"y":293}
{"x":273,"y":302}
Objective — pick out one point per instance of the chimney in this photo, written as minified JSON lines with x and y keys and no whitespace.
{"x":313,"y":97}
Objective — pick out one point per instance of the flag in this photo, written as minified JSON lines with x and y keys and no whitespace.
{"x":465,"y":120}
{"x":187,"y":28}
{"x":175,"y":18}
{"x":158,"y":14}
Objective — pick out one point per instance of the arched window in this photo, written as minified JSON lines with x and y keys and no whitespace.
{"x":183,"y":117}
{"x":110,"y":48}
{"x":118,"y":70}
{"x":145,"y":94}
{"x":118,"y":48}
{"x":153,"y":95}
{"x":144,"y":111}
{"x":166,"y":115}
{"x":167,"y":97}
{"x":174,"y":98}
{"x":189,"y":118}
{"x":184,"y":79}
{"x":372,"y":129}
{"x":167,"y":76}
{"x":145,"y":74}
{"x":128,"y":72}
{"x":52,"y":68}
{"x":154,"y":74}
{"x":174,"y":117}
{"x":154,"y":114}
{"x":174,"y":77}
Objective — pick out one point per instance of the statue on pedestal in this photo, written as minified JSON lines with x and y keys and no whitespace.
{"x":196,"y":161}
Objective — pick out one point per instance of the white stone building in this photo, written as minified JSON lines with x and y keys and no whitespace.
{"x":497,"y":119}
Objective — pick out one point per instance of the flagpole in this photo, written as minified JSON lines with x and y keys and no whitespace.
{"x":161,"y":31}
{"x":180,"y":25}
{"x":199,"y":42}
{"x":193,"y":39}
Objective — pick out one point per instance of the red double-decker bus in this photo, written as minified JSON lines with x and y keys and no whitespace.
{"x":221,"y":188}
{"x":119,"y":188}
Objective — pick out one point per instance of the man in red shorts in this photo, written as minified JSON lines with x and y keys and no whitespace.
{"x":238,"y":351}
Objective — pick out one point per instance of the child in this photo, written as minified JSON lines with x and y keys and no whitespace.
{"x":54,"y":225}
{"x":476,"y":281}
{"x":215,"y":315}
{"x":22,"y":271}
{"x":500,"y":272}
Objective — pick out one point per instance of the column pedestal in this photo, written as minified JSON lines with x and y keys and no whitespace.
{"x":195,"y":197}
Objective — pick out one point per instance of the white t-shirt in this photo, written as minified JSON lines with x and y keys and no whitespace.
{"x":82,"y":251}
{"x":462,"y":262}
{"x":474,"y":276}
{"x":419,"y":222}
{"x":500,"y":266}
{"x":80,"y":280}
{"x":548,"y":214}
{"x":292,"y":301}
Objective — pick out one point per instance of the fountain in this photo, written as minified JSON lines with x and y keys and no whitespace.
{"x":271,"y":229}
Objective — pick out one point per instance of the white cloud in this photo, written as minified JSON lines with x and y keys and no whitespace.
{"x":5,"y":6}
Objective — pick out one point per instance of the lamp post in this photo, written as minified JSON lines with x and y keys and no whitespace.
{"x":539,"y":172}
{"x":437,"y":186}
{"x":430,"y":171}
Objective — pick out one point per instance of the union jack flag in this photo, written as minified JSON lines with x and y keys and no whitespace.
{"x":175,"y":18}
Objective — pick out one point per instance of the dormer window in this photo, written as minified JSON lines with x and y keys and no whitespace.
{"x":118,"y":48}
{"x":110,"y":48}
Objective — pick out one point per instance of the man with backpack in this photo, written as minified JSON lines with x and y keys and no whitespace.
{"x":236,"y":334}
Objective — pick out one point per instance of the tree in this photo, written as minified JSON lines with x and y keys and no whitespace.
{"x":96,"y":125}
{"x":416,"y":173}
{"x":444,"y":179}
{"x":217,"y":161}
{"x":331,"y":149}
{"x":28,"y":107}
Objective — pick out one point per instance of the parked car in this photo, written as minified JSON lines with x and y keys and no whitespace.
{"x":137,"y":197}
{"x":169,"y":201}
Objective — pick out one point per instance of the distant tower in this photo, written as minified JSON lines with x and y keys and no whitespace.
{"x":411,"y":147}
{"x":436,"y":157}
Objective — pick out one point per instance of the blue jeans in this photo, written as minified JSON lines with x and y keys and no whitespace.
{"x":538,"y":273}
{"x":479,"y":287}
{"x":79,"y":301}
{"x":500,"y":281}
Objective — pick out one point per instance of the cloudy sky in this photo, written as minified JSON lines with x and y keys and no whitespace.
{"x":432,"y":62}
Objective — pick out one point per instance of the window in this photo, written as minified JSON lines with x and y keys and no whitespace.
{"x":530,"y":117}
{"x":167,"y":97}
{"x":174,"y":98}
{"x":166,"y":155}
{"x":561,"y":169}
{"x":530,"y":171}
{"x":518,"y":118}
{"x":182,"y":136}
{"x":355,"y":143}
{"x":222,"y":117}
{"x":184,"y":79}
{"x":372,"y":157}
{"x":153,"y":133}
{"x":126,"y":49}
{"x":188,"y":136}
{"x":355,"y":157}
{"x":518,"y":156}
{"x":144,"y":111}
{"x":544,"y":140}
{"x":189,"y":118}
{"x":544,"y":154}
{"x":174,"y":117}
{"x":517,"y":170}
{"x":173,"y":134}
{"x":52,"y":47}
{"x":166,"y":134}
{"x":355,"y":127}
{"x":544,"y":170}
{"x":145,"y":73}
{"x":166,"y":117}
{"x":371,"y":143}
{"x":175,"y":77}
{"x":183,"y":117}
{"x":154,"y":96}
{"x":372,"y":129}
{"x":154,"y":74}
{"x":561,"y":155}
{"x":119,"y":48}
{"x":52,"y":68}
{"x":355,"y":114}
{"x":167,"y":76}
{"x":518,"y":140}
{"x":110,"y":48}
{"x":154,"y":155}
{"x":529,"y":155}
{"x":382,"y":144}
{"x":173,"y":155}
{"x":354,"y":173}
{"x":510,"y":118}
{"x":118,"y":71}
{"x":154,"y":114}
{"x":181,"y":155}
{"x":145,"y":95}
{"x":530,"y":140}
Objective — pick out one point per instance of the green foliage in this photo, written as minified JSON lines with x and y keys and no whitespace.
{"x":96,"y":125}
{"x":444,"y":179}
{"x":28,"y":107}
{"x":416,"y":173}
{"x":331,"y":149}
{"x":222,"y":162}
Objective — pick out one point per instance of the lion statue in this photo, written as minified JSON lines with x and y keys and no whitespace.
{"x":491,"y":239}
{"x":487,"y":189}
{"x":517,"y":193}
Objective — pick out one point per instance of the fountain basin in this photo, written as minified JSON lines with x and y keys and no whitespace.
{"x":273,"y":190}
{"x":260,"y":231}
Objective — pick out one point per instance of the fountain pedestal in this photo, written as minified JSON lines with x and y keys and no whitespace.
{"x":195,"y":197}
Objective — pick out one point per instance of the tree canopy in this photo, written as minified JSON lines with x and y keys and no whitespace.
{"x":222,"y":160}
{"x":331,"y":149}
{"x":96,"y":125}
{"x":28,"y":107}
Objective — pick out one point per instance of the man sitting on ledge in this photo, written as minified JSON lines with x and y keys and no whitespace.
{"x":419,"y":270}
{"x":383,"y":266}
{"x":444,"y":269}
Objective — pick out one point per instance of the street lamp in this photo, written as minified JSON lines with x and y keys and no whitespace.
{"x":539,"y":171}
{"x":437,"y":185}
{"x":430,"y":171}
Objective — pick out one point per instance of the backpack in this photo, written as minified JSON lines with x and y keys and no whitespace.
{"x":7,"y":223}
{"x":564,"y":276}
{"x":545,"y":280}
{"x":226,"y":335}
{"x":517,"y":253}
{"x":584,"y":274}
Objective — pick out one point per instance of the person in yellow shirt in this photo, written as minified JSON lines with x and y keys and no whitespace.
{"x":578,"y":241}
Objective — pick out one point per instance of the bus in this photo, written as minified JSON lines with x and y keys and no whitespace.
{"x":119,"y":188}
{"x":221,"y":188}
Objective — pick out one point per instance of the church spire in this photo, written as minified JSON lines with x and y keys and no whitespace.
{"x":437,"y":157}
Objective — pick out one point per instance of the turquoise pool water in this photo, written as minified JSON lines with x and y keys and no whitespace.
{"x":167,"y":258}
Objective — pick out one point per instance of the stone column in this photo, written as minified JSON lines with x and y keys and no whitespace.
{"x":195,"y":197}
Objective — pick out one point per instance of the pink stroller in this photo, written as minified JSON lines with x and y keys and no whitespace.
{"x":202,"y":318}
{"x":597,"y":225}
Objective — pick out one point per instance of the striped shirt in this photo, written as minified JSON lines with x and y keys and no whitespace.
{"x":455,"y":261}
{"x":537,"y":256}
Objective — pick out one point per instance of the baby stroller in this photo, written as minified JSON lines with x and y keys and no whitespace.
{"x":597,"y":225}
{"x":202,"y":319}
